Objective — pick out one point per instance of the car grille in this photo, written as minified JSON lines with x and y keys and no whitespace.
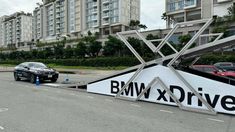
{"x":49,"y":73}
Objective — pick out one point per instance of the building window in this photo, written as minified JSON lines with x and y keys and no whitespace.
{"x":190,"y":3}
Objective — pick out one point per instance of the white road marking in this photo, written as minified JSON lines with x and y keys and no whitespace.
{"x":216,"y":120}
{"x":90,"y":97}
{"x":108,"y":100}
{"x":166,"y":111}
{"x":3,"y":109}
{"x":135,"y":105}
{"x":1,"y":128}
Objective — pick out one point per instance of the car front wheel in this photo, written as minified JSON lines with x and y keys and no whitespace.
{"x":16,"y":77}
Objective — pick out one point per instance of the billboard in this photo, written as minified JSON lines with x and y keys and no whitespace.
{"x":220,"y":96}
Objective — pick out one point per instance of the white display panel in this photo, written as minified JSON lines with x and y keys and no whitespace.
{"x":219,"y":95}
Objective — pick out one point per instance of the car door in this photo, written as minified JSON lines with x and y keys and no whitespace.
{"x":19,"y":70}
{"x":25,"y":71}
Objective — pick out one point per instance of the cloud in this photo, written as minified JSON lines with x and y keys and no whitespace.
{"x":8,"y":7}
{"x":151,"y":12}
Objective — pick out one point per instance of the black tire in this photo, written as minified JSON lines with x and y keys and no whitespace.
{"x":32,"y":78}
{"x":53,"y":80}
{"x":16,"y":77}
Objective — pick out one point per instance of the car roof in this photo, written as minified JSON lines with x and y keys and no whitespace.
{"x":26,"y":63}
{"x":224,"y":63}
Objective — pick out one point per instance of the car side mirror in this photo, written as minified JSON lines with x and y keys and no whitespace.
{"x":215,"y":72}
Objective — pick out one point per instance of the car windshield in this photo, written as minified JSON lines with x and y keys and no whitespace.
{"x":37,"y":65}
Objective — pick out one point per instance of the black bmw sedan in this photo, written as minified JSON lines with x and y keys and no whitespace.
{"x":32,"y":70}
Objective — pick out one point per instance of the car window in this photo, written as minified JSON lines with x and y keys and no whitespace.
{"x":37,"y":65}
{"x":226,"y":64}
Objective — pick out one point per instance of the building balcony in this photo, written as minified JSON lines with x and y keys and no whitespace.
{"x":105,"y":2}
{"x":94,"y":11}
{"x":106,"y":15}
{"x":104,"y":23}
{"x":106,"y":8}
{"x":94,"y":5}
{"x":58,"y":16}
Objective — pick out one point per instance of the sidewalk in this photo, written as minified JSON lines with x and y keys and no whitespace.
{"x":6,"y":69}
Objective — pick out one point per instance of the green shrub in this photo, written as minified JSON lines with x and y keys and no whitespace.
{"x":91,"y":62}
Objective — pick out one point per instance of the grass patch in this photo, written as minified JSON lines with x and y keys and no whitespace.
{"x":87,"y":67}
{"x":75,"y":67}
{"x":7,"y":65}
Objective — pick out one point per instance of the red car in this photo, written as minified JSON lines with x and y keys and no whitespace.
{"x":214,"y":70}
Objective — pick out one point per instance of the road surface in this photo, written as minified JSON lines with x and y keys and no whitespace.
{"x":27,"y":108}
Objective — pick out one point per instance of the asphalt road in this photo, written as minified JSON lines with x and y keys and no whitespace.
{"x":27,"y":108}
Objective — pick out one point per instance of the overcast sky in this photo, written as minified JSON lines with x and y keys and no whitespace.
{"x":151,"y":10}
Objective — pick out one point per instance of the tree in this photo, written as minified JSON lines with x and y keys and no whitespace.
{"x":68,"y":52}
{"x":135,"y":24}
{"x":231,"y":12}
{"x":184,"y":39}
{"x":94,"y":48}
{"x":59,"y":51}
{"x":142,"y":26}
{"x":81,"y":50}
{"x":113,"y":47}
{"x":151,"y":37}
{"x":48,"y":52}
{"x":164,"y":17}
{"x":141,"y":48}
{"x":89,"y":33}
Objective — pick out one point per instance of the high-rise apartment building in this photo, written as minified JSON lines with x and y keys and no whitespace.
{"x":109,"y":16}
{"x":16,"y":29}
{"x":57,"y":18}
{"x":187,"y":10}
{"x":37,"y":23}
{"x":2,"y":31}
